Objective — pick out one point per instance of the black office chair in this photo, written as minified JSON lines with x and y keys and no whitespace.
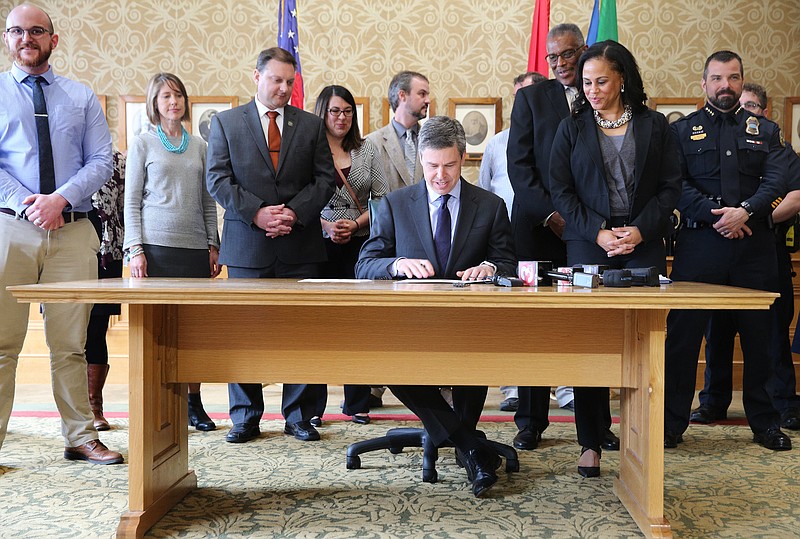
{"x":398,"y":439}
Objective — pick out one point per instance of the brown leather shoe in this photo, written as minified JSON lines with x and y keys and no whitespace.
{"x":94,"y":452}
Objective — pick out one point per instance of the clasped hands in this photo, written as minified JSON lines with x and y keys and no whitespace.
{"x":417,"y":268}
{"x":45,"y":211}
{"x":275,"y":220}
{"x":340,"y":231}
{"x":732,"y":223}
{"x":620,"y":240}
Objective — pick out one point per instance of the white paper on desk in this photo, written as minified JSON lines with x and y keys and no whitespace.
{"x":429,"y":281}
{"x":346,"y":281}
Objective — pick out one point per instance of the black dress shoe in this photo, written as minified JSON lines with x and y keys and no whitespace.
{"x":242,"y":432}
{"x":374,"y":402}
{"x":671,"y":441}
{"x":302,"y":430}
{"x":315,"y":421}
{"x":361,"y":419}
{"x":480,"y":465}
{"x":610,"y":441}
{"x":589,"y":471}
{"x":198,"y":418}
{"x":527,"y":438}
{"x":511,"y":404}
{"x":773,"y":439}
{"x":790,"y":419}
{"x":705,"y":414}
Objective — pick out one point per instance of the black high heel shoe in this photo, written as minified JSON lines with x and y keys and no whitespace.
{"x":589,"y":471}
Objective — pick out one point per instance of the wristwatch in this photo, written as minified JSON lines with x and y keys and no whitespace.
{"x":747,"y":207}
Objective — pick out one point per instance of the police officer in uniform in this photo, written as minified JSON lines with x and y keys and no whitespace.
{"x":720,"y":336}
{"x":734,"y":167}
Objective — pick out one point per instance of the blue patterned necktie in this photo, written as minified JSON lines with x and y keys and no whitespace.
{"x":47,"y":173}
{"x":441,"y":237}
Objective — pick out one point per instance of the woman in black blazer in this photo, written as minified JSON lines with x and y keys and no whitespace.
{"x":615,"y":178}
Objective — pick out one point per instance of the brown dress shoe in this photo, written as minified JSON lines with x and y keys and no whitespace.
{"x":94,"y":452}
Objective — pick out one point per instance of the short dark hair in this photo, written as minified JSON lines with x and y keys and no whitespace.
{"x":352,"y":139}
{"x":723,"y":57}
{"x":442,"y":132}
{"x":535,"y":75}
{"x":154,"y":86}
{"x":402,"y":81}
{"x":274,"y":53}
{"x":567,"y":28}
{"x":621,"y":61}
{"x":759,"y":91}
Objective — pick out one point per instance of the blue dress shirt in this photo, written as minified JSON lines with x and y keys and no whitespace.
{"x":78,"y":132}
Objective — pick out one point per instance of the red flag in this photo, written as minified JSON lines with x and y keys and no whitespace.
{"x":539,"y":29}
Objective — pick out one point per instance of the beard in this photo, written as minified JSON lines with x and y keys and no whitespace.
{"x":421,"y":113}
{"x":726,"y":101}
{"x":41,"y":58}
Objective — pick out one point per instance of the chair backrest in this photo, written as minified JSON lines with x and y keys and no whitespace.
{"x":373,"y":206}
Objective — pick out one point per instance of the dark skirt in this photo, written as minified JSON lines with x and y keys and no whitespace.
{"x":176,"y":262}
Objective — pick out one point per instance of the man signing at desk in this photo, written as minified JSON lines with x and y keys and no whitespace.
{"x":451,"y":229}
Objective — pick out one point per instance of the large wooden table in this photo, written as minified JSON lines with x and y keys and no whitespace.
{"x":388,"y":333}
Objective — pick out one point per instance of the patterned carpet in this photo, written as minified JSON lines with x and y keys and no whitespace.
{"x":718,"y":484}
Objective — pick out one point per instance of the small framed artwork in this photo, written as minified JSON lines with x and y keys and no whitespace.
{"x":132,"y":119}
{"x":675,"y":108}
{"x":103,"y":102}
{"x":362,"y":111}
{"x":386,"y":111}
{"x":203,"y":109}
{"x":791,"y":124}
{"x":481,"y":117}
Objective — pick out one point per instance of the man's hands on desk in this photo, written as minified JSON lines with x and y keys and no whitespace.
{"x":416,"y":268}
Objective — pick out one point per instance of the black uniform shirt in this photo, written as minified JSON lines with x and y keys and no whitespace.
{"x":762,"y":162}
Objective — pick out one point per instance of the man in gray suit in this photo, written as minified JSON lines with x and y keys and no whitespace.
{"x":409,"y":97}
{"x":448,"y":228}
{"x":270,"y":168}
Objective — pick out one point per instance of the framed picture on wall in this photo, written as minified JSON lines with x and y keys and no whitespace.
{"x":362,"y":110}
{"x":386,"y":111}
{"x":675,"y":108}
{"x":791,"y":124}
{"x":132,"y":119}
{"x":103,"y":102}
{"x":481,"y":117}
{"x":203,"y":109}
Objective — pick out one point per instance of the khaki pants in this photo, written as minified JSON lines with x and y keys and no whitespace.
{"x":30,"y":255}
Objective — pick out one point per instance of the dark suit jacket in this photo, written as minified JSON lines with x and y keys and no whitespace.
{"x":242,"y":179}
{"x":578,"y":179}
{"x":538,"y":109}
{"x":402,"y":228}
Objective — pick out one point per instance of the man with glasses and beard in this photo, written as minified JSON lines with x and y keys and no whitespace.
{"x":734,"y":167}
{"x":55,"y":152}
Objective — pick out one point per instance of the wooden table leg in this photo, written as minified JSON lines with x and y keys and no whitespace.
{"x":640,"y":483}
{"x":158,"y":460}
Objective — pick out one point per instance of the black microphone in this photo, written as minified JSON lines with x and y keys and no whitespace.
{"x":631,"y":277}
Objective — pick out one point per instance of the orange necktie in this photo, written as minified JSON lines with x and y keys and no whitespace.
{"x":273,"y":138}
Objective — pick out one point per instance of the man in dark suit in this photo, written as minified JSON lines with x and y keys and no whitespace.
{"x":447,"y":228}
{"x":537,"y":226}
{"x":270,"y":167}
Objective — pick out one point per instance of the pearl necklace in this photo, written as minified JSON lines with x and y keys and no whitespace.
{"x":171,"y":147}
{"x":609,"y":124}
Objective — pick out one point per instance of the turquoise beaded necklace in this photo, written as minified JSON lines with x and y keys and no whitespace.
{"x":171,"y":147}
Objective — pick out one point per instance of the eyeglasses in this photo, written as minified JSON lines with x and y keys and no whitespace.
{"x":752,"y":105}
{"x":34,"y":31}
{"x":336,"y":112}
{"x":566,"y":55}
